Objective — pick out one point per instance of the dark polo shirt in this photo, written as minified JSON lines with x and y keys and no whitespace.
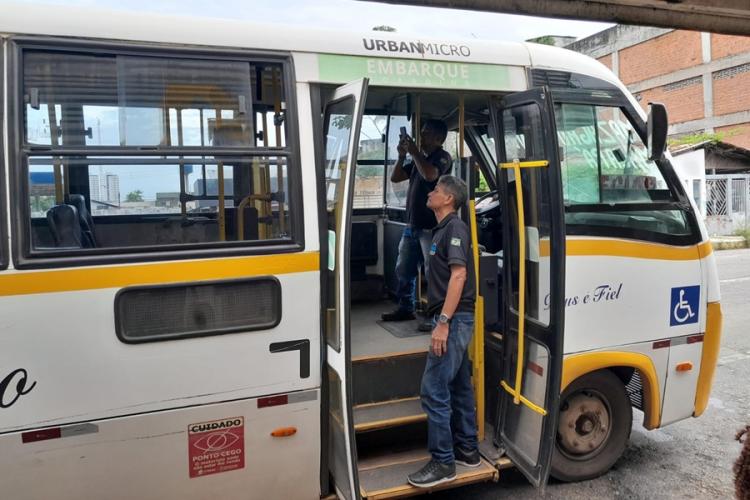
{"x":418,"y":215}
{"x":451,"y":244}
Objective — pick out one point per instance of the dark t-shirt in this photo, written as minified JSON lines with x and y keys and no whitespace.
{"x":451,"y":244}
{"x":417,"y":214}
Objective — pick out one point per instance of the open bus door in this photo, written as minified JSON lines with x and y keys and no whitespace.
{"x":530,"y":187}
{"x":342,"y":121}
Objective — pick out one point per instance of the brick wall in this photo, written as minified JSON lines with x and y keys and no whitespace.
{"x":684,"y":100}
{"x":606,"y":60}
{"x":727,"y":45}
{"x":659,"y":56}
{"x":739,"y":134}
{"x":731,"y":90}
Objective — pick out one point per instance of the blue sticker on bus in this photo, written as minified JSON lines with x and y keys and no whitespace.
{"x":684,"y":305}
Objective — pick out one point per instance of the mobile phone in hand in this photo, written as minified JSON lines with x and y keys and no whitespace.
{"x":404,"y":134}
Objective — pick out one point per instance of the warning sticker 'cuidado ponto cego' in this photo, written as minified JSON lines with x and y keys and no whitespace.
{"x":216,"y":446}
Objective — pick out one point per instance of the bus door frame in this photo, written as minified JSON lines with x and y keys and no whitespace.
{"x":529,"y":440}
{"x":335,"y":267}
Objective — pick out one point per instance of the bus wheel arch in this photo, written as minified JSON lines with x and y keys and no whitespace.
{"x":620,"y":363}
{"x":595,"y":416}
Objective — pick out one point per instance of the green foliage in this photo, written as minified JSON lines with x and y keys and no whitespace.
{"x":688,"y":140}
{"x":544,"y":40}
{"x":369,"y":170}
{"x":342,"y":121}
{"x":42,"y":203}
{"x":482,"y":186}
{"x":136,"y":195}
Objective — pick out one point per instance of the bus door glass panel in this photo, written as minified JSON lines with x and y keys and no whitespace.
{"x":534,"y":281}
{"x":343,"y":117}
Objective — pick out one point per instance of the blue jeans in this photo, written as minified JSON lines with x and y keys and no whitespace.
{"x":448,"y":396}
{"x":413,"y":249}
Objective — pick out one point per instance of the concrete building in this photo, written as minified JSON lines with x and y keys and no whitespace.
{"x":702,"y":78}
{"x":95,"y":188}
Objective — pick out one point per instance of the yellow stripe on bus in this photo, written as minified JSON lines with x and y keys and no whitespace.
{"x":709,"y":356}
{"x":632,"y":249}
{"x":68,"y":280}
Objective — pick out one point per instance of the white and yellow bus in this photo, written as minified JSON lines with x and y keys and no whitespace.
{"x":198,"y":236}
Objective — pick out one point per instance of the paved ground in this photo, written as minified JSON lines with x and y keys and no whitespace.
{"x":689,"y":459}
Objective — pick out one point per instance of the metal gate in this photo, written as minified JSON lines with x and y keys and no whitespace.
{"x":727,"y":204}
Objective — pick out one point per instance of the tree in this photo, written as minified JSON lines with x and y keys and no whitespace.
{"x":136,"y":195}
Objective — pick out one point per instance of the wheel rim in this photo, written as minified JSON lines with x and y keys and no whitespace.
{"x":585,"y":425}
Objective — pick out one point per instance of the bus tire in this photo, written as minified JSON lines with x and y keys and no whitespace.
{"x":593,"y":428}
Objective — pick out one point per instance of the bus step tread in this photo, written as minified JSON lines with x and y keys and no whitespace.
{"x":388,"y":414}
{"x":388,"y":479}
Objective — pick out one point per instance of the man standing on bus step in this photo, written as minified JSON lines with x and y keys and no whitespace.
{"x":422,"y":172}
{"x":447,"y":394}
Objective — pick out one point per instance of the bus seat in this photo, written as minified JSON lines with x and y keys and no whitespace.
{"x":363,"y":249}
{"x":84,"y":218}
{"x":64,"y":226}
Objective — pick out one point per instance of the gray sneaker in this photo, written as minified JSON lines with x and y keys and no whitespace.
{"x":432,"y":474}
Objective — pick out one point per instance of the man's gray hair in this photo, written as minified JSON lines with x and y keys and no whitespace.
{"x":455,"y":187}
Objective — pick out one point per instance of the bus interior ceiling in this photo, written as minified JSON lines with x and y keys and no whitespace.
{"x":388,"y":357}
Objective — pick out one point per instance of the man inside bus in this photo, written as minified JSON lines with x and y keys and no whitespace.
{"x":423,"y":171}
{"x":447,"y":394}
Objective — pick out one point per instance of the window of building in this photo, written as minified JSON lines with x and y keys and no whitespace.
{"x":125,"y":151}
{"x":608,"y":180}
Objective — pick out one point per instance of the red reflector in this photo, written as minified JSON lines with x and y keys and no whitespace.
{"x":535,"y":368}
{"x":273,"y":401}
{"x":695,"y":338}
{"x":662,"y":343}
{"x":41,"y":435}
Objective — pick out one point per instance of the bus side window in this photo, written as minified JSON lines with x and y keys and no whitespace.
{"x":231,"y":185}
{"x":606,"y":173}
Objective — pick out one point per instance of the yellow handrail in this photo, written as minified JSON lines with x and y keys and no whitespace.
{"x":476,"y":349}
{"x":221,"y":214}
{"x":516,"y":391}
{"x":54,"y":134}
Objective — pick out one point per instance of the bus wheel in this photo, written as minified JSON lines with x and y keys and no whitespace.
{"x":594,"y":427}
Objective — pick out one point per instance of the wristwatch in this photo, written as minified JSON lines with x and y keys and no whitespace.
{"x":443,"y":318}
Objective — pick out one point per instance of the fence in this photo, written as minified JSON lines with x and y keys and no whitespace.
{"x":727,"y":204}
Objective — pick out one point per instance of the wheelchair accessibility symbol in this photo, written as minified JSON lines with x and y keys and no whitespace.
{"x":684,"y":305}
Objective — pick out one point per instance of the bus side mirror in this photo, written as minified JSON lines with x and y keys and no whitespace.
{"x":657,"y":130}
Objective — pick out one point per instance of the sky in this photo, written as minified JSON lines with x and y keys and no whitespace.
{"x":350,"y":15}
